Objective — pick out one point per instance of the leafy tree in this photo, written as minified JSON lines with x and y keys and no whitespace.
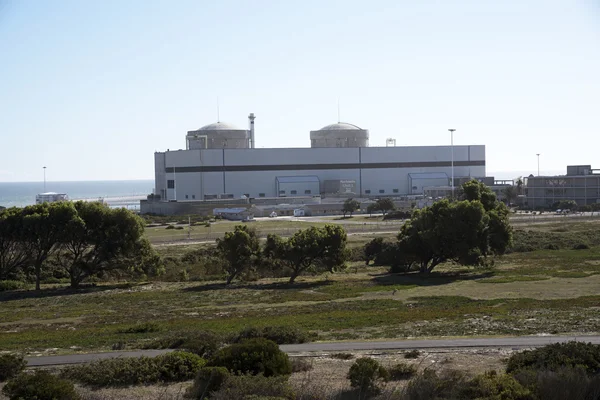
{"x":510,"y":194}
{"x":43,"y":230}
{"x":13,"y":251}
{"x":386,"y":204}
{"x":314,"y":249}
{"x":240,"y":249}
{"x":519,"y":184}
{"x":565,"y":205}
{"x":465,"y":232}
{"x":371,"y":208}
{"x":100,"y":240}
{"x":350,"y":205}
{"x":373,"y":249}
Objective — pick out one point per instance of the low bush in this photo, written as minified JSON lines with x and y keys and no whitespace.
{"x":144,"y":327}
{"x":249,"y":387}
{"x":412,"y":354}
{"x":402,"y":371}
{"x":581,"y":246}
{"x":172,"y":367}
{"x":556,"y":356}
{"x":12,"y":285}
{"x":277,"y":334}
{"x":552,"y":246}
{"x":365,"y":375}
{"x":495,"y":386}
{"x":202,"y":343}
{"x":170,"y":227}
{"x":40,"y":385}
{"x":398,"y":214}
{"x":253,"y":356}
{"x":207,"y":381}
{"x":564,"y":383}
{"x":11,"y":365}
{"x":300,"y":365}
{"x":342,"y":356}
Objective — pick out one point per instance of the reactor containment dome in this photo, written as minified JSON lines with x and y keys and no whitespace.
{"x":221,"y":135}
{"x":340,"y":135}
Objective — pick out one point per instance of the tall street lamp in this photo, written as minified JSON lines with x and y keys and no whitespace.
{"x":538,"y":156}
{"x":452,"y":159}
{"x":44,"y":179}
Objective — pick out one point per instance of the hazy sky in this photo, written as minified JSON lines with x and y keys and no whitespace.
{"x":92,"y":88}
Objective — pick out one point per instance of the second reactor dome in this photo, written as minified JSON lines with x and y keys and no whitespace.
{"x":341,"y":134}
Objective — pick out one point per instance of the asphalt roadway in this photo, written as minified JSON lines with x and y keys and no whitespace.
{"x":513,"y":342}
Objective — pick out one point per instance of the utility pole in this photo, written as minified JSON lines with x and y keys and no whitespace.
{"x":538,"y":156}
{"x":44,"y":179}
{"x":452,"y":159}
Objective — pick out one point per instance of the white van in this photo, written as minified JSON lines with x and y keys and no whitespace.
{"x":299,"y":212}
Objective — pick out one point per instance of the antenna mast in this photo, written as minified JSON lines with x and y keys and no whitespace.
{"x":339,"y":110}
{"x":218,"y":116}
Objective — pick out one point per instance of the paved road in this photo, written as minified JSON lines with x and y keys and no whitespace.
{"x":515,"y":342}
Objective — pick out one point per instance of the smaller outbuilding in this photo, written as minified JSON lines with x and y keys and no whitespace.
{"x":234,"y":214}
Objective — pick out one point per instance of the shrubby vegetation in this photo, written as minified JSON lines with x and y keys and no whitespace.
{"x":277,"y":334}
{"x":11,"y":365}
{"x":40,"y":385}
{"x":253,"y":356}
{"x":366,"y":374}
{"x":172,"y":367}
{"x":78,"y":241}
{"x":555,"y":356}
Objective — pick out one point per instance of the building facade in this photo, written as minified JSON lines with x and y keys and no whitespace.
{"x":581,"y":184}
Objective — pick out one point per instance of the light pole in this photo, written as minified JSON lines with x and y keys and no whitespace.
{"x":538,"y":156}
{"x":44,"y":179}
{"x":452,"y":158}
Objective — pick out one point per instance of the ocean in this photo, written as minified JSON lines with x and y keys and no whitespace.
{"x":116,"y":193}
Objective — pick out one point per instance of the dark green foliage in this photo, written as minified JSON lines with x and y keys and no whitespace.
{"x":207,"y":381}
{"x":455,"y":385}
{"x":40,"y":385}
{"x":465,"y":232}
{"x":248,"y":387}
{"x":12,"y":285}
{"x":373,"y":249}
{"x":172,"y":367}
{"x":366,"y":374}
{"x":412,"y":354}
{"x":253,"y":356}
{"x":11,"y":365}
{"x":170,"y":227}
{"x":384,"y":205}
{"x":143,"y":327}
{"x":350,"y":205}
{"x":398,"y":214}
{"x":277,"y":334}
{"x":524,"y":241}
{"x":240,"y":249}
{"x":558,"y":355}
{"x":401,"y":371}
{"x":565,"y":205}
{"x":202,"y":343}
{"x":310,"y":250}
{"x":563,"y":383}
{"x":581,"y":246}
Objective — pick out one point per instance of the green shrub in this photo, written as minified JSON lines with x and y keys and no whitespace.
{"x":564,"y":383}
{"x":144,"y":327}
{"x":207,"y":381}
{"x":11,"y":365}
{"x":402,"y":371}
{"x":412,"y":354}
{"x":552,"y":246}
{"x":40,"y":385}
{"x":12,"y":285}
{"x":556,"y":356}
{"x":581,"y":246}
{"x":365,"y":375}
{"x":248,"y":387}
{"x":202,"y":343}
{"x":277,"y":334}
{"x":253,"y":356}
{"x":429,"y":385}
{"x":172,"y":367}
{"x":494,"y":386}
{"x":170,"y":227}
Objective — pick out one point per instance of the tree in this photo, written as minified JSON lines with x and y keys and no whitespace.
{"x":43,"y":230}
{"x":350,"y":205}
{"x":312,"y":249}
{"x":101,"y":240}
{"x":510,"y":194}
{"x":465,"y":232}
{"x":240,"y":249}
{"x":371,"y":208}
{"x":519,"y":184}
{"x":386,"y":204}
{"x":13,"y":252}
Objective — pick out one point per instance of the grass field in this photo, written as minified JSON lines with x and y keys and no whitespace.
{"x":543,"y":291}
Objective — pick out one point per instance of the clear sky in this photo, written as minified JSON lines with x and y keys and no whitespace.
{"x":91,"y":89}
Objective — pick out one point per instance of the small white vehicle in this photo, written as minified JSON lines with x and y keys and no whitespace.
{"x":273,"y":215}
{"x":299,"y":213}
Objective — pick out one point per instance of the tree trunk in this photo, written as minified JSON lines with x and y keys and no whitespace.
{"x":293,"y":277}
{"x":230,"y":278}
{"x":75,"y":281}
{"x":38,"y":272}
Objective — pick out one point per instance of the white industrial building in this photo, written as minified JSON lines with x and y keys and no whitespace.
{"x":221,"y":162}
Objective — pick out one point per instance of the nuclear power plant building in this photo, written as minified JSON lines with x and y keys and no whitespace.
{"x":221,"y":161}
